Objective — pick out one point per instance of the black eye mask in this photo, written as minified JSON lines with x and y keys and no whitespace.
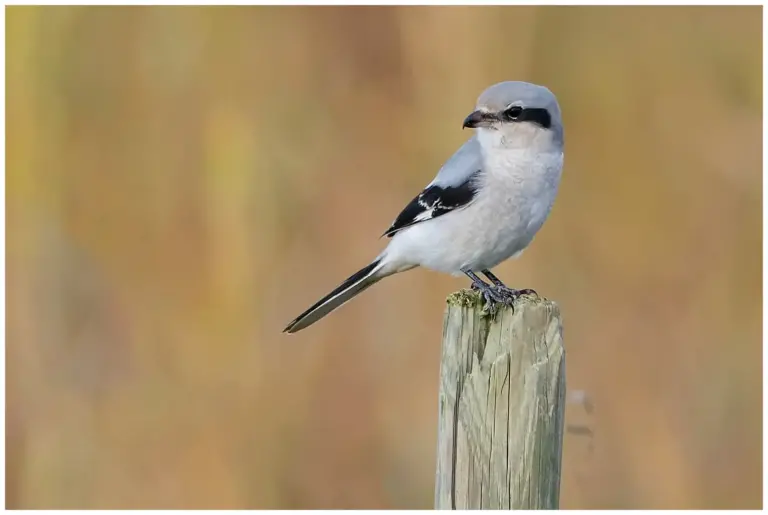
{"x":536,"y":115}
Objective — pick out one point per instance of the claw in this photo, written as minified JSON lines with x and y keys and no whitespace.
{"x":496,"y":294}
{"x":490,"y":304}
{"x":493,"y":300}
{"x":508,"y":296}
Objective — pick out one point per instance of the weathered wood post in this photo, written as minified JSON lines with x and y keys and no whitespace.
{"x":501,"y":406}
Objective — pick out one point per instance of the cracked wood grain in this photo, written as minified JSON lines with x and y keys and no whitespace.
{"x":501,"y":406}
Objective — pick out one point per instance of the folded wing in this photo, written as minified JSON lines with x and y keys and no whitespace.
{"x":434,"y":201}
{"x":454,"y":187}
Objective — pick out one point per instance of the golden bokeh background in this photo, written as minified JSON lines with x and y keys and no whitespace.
{"x":182,"y":182}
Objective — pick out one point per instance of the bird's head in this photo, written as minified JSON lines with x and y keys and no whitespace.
{"x":516,"y":115}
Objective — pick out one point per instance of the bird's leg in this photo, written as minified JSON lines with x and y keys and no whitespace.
{"x":508,"y":294}
{"x":491,"y":296}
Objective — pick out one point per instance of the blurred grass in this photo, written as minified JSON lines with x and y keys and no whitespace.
{"x":183,"y":181}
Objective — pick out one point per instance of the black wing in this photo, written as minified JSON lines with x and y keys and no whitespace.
{"x":434,"y":201}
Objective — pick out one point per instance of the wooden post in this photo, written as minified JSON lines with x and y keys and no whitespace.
{"x":501,"y":406}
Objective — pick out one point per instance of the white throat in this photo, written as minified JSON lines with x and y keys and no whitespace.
{"x":518,"y":137}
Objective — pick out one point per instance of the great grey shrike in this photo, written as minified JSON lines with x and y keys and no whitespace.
{"x":484,"y":206}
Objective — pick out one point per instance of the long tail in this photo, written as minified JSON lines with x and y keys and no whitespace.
{"x":355,"y":284}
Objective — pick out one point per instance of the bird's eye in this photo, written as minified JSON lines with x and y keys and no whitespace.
{"x":514,"y":112}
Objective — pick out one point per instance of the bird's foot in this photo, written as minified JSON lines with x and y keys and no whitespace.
{"x":497,"y":294}
{"x":509,"y":295}
{"x":492,"y":297}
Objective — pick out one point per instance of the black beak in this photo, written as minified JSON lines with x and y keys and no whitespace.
{"x":478,"y":119}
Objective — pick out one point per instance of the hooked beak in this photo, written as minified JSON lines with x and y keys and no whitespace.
{"x":478,"y":119}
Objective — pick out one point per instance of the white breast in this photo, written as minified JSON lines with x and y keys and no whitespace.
{"x":520,"y":189}
{"x":517,"y":191}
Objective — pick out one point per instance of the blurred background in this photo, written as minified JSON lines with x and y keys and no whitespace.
{"x":182,"y":182}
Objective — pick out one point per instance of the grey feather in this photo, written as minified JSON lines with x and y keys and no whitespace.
{"x":460,"y":167}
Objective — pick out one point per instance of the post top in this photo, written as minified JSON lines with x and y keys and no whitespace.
{"x":467,"y":298}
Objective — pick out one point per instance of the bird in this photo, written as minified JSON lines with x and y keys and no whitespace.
{"x":484,"y":206}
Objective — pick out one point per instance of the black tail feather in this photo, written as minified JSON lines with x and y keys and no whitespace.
{"x":353,"y":285}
